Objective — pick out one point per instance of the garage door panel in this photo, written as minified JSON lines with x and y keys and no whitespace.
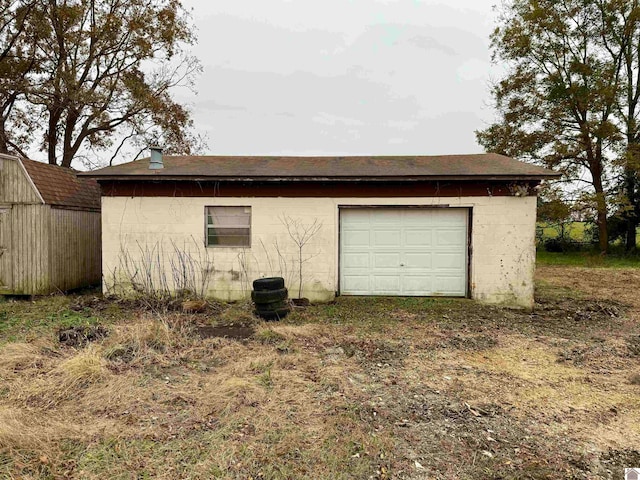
{"x":448,"y":261}
{"x":358,"y":218}
{"x":416,"y":284}
{"x":358,"y":284}
{"x":418,"y":237}
{"x":450,"y":216}
{"x":416,"y":217}
{"x":399,"y":251}
{"x":385,"y":217}
{"x":386,"y":284}
{"x":386,"y":260}
{"x":447,"y":237}
{"x":357,"y":238}
{"x":448,"y":285}
{"x":386,"y":238}
{"x":416,"y":260}
{"x":356,"y":260}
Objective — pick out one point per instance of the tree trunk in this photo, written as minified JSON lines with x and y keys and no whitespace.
{"x":4,"y":146}
{"x":631,"y":218}
{"x":52,"y":139}
{"x":68,"y":150}
{"x":601,"y":207}
{"x":67,"y":157}
{"x":630,"y":241}
{"x":596,"y":168}
{"x":603,"y":232}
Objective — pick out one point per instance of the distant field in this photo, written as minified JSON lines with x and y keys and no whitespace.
{"x":576,"y":231}
{"x":587,"y":257}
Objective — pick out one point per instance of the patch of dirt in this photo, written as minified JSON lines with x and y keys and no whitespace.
{"x":84,"y":303}
{"x":568,"y":317}
{"x":599,"y":357}
{"x":579,"y":310}
{"x":376,"y":352}
{"x":472,"y":342}
{"x":79,"y":336}
{"x":595,"y":283}
{"x":435,"y":428}
{"x":613,"y":462}
{"x":300,"y":302}
{"x":121,"y":353}
{"x":563,"y":317}
{"x":233,"y":332}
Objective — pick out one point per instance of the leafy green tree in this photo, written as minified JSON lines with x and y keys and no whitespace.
{"x":558,"y":101}
{"x":620,"y":36}
{"x":103,"y":72}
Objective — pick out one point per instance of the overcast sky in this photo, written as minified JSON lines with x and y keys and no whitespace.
{"x":342,"y":76}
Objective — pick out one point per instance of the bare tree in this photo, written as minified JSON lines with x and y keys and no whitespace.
{"x":21,"y":24}
{"x":301,"y":233}
{"x":85,"y":74}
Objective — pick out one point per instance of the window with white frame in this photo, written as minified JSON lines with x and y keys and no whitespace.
{"x":228,"y":226}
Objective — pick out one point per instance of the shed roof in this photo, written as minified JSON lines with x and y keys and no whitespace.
{"x":62,"y":187}
{"x":455,"y":167}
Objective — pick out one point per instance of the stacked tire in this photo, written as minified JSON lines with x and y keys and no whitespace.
{"x":271,"y":298}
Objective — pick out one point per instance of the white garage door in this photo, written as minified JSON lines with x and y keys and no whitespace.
{"x":397,"y":251}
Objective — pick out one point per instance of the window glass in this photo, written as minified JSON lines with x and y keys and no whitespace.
{"x":228,"y":226}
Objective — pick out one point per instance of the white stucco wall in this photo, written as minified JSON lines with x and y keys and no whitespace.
{"x":141,"y":233}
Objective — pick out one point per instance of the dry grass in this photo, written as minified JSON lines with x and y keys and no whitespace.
{"x":15,"y":357}
{"x":152,"y":380}
{"x":138,"y":344}
{"x":19,"y":431}
{"x":352,"y":390}
{"x":82,"y":369}
{"x":49,"y":386}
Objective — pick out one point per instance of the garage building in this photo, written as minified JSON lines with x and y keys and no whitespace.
{"x":455,"y":225}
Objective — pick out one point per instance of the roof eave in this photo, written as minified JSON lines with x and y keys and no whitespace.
{"x":196,"y":178}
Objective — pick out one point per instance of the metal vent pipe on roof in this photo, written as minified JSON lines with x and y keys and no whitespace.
{"x":156,"y":158}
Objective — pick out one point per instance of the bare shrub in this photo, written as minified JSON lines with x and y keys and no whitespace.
{"x":244,"y":261}
{"x":280,"y":265}
{"x":191,"y":269}
{"x":158,"y":276}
